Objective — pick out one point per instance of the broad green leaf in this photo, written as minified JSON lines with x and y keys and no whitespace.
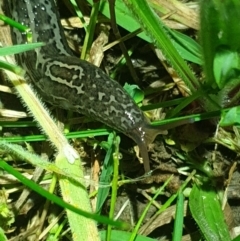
{"x":219,"y":28}
{"x":225,"y":64}
{"x":135,"y":92}
{"x":206,"y":211}
{"x":231,"y":117}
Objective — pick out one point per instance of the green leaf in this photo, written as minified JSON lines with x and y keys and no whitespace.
{"x":11,"y":67}
{"x":224,"y":66}
{"x":123,"y":236}
{"x":188,"y":48}
{"x":13,"y":23}
{"x":2,"y":235}
{"x":16,"y":49}
{"x":231,"y":117}
{"x":135,"y":92}
{"x":206,"y":210}
{"x":179,"y":216}
{"x":105,"y":175}
{"x":219,"y":28}
{"x":237,"y":238}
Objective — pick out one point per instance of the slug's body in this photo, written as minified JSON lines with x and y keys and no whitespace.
{"x":67,"y":82}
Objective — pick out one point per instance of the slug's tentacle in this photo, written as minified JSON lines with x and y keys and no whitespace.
{"x":146,"y":134}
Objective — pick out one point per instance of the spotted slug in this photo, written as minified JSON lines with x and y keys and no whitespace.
{"x":67,"y":82}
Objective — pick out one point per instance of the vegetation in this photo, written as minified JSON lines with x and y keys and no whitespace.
{"x":198,"y":80}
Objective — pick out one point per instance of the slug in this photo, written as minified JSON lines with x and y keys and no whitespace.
{"x":67,"y":82}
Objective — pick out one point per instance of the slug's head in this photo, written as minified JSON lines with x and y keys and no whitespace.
{"x":145,"y":134}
